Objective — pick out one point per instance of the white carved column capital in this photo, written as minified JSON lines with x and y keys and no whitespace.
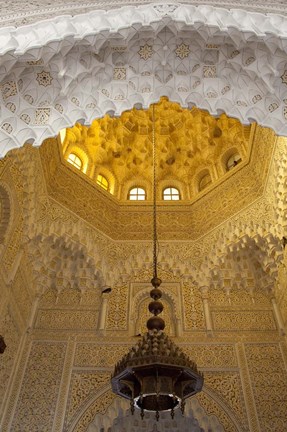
{"x":205,"y":300}
{"x":103,"y":311}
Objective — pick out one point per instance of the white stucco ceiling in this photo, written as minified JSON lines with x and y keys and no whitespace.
{"x":18,"y":13}
{"x":78,"y":68}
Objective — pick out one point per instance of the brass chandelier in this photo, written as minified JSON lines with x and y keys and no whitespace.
{"x":155,"y":375}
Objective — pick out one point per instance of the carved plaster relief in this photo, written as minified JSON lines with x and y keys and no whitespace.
{"x":125,"y":221}
{"x":266,"y":360}
{"x":38,"y":396}
{"x":217,"y":71}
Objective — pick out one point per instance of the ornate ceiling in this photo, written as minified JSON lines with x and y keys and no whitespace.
{"x":70,"y":69}
{"x":126,"y":220}
{"x":64,"y":240}
{"x":190,"y":143}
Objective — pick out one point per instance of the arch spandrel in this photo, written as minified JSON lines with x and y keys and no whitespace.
{"x":45,"y":89}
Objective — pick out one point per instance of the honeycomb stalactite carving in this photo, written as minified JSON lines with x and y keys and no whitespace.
{"x":121,"y":221}
{"x":193,"y":65}
{"x":67,"y":260}
{"x":124,"y":145}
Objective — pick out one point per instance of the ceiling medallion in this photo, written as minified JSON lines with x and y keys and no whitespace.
{"x":145,"y":52}
{"x":155,"y":375}
{"x":182,"y":51}
{"x":44,"y":78}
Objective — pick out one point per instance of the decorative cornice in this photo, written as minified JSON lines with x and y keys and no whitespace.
{"x":20,"y":14}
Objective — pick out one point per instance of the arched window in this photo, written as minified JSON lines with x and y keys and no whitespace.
{"x":75,"y":161}
{"x":103,"y":182}
{"x":234,"y":160}
{"x":204,"y":182}
{"x":171,"y":194}
{"x":136,"y":194}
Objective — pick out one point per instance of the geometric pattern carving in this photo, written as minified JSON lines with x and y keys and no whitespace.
{"x":115,"y":78}
{"x":100,"y":405}
{"x":268,"y":376}
{"x":193,"y":308}
{"x":99,"y":355}
{"x":66,"y":320}
{"x":44,"y":78}
{"x":145,"y":52}
{"x":212,"y":355}
{"x":243,"y":320}
{"x":64,"y":307}
{"x":228,"y":387}
{"x":38,"y":397}
{"x":83,"y":387}
{"x":117,"y":307}
{"x":212,"y":408}
{"x":122,"y":143}
{"x":32,"y":111}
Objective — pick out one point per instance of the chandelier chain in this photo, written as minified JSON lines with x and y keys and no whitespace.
{"x":154,"y":195}
{"x":156,"y":376}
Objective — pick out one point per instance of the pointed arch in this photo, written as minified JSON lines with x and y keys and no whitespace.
{"x":113,"y":80}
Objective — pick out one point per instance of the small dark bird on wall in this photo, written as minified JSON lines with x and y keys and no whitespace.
{"x":2,"y":345}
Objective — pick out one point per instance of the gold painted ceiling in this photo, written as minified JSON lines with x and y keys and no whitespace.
{"x":190,"y":143}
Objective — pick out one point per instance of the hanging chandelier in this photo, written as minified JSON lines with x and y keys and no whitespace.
{"x":156,"y":375}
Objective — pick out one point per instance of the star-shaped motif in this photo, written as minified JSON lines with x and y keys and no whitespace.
{"x":145,"y":52}
{"x":182,"y":51}
{"x":44,"y":78}
{"x":284,"y":77}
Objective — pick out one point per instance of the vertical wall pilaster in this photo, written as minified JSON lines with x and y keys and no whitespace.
{"x":278,"y":316}
{"x":206,"y":309}
{"x":103,"y":312}
{"x":253,"y":421}
{"x":59,"y":418}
